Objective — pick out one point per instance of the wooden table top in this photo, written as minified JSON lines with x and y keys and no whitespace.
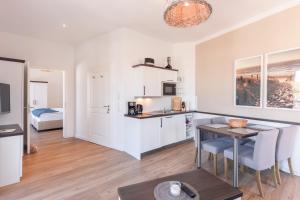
{"x":227,"y":132}
{"x":208,"y":186}
{"x":17,"y":132}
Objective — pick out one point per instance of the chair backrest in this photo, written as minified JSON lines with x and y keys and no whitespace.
{"x":218,"y":120}
{"x":264,"y":149}
{"x":199,"y":122}
{"x":286,"y":142}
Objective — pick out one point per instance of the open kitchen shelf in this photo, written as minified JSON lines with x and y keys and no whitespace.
{"x":153,"y":66}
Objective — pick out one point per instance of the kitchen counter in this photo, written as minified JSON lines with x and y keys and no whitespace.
{"x":161,"y":114}
{"x":17,"y":132}
{"x":157,"y":114}
{"x":11,"y":154}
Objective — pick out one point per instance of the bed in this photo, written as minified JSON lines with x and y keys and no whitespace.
{"x":48,"y":121}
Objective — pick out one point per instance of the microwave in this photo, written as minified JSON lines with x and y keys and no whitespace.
{"x":168,"y":89}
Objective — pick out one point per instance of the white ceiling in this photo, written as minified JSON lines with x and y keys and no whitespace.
{"x":88,"y":18}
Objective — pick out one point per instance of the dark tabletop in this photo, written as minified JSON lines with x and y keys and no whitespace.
{"x":208,"y":186}
{"x":17,"y":132}
{"x":227,"y":132}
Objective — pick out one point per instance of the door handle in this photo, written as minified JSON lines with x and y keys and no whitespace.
{"x":144,"y":90}
{"x":161,"y":123}
{"x":108,"y":108}
{"x":168,"y":117}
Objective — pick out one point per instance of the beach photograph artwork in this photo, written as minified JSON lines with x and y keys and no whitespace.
{"x":283,"y":80}
{"x":248,"y":82}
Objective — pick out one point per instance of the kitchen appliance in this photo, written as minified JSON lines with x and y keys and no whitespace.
{"x":4,"y":98}
{"x":183,"y":106}
{"x":132,"y":108}
{"x":176,"y":103}
{"x":149,"y":61}
{"x":168,"y":89}
{"x":139,"y":108}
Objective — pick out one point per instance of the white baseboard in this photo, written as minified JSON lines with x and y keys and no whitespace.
{"x":285,"y":168}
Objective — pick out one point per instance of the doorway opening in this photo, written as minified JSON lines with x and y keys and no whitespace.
{"x":46,"y":101}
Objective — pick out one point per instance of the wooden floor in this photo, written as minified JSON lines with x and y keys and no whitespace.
{"x":74,"y":169}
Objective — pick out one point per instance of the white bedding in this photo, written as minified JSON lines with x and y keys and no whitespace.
{"x":48,"y":121}
{"x":50,"y":116}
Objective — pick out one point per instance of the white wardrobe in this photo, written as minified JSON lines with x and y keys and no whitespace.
{"x":38,"y":94}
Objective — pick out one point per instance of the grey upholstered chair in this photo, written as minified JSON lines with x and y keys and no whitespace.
{"x":205,"y":136}
{"x":284,"y":149}
{"x":218,"y":120}
{"x":218,"y":144}
{"x":259,"y":158}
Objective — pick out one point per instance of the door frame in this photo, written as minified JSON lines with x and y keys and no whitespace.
{"x":27,"y":114}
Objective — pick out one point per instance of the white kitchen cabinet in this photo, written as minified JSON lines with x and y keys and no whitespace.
{"x":168,"y":131}
{"x":149,"y":80}
{"x":11,"y":152}
{"x":180,"y":127}
{"x":169,"y":76}
{"x":172,"y":129}
{"x":150,"y":134}
{"x":144,"y":135}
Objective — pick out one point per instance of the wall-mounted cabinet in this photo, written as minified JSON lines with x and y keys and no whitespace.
{"x":150,"y":78}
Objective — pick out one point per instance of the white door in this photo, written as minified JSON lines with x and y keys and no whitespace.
{"x":98,"y":108}
{"x":38,"y":95}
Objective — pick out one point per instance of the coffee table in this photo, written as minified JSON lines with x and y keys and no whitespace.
{"x":208,"y":186}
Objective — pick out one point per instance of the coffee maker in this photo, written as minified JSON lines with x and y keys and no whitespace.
{"x":132,"y":108}
{"x":139,"y":108}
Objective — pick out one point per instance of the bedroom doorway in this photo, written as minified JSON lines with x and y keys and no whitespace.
{"x":46,"y":106}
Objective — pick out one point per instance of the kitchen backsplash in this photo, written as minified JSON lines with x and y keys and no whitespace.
{"x":154,"y":104}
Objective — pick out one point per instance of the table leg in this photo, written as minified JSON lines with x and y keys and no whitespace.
{"x":199,"y":148}
{"x":236,"y":163}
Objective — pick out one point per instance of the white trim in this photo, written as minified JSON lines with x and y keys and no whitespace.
{"x":251,"y":20}
{"x":266,"y":55}
{"x":261,"y":81}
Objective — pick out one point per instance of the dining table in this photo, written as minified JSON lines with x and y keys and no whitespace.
{"x":236,"y":134}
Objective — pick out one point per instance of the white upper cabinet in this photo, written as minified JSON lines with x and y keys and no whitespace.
{"x":168,"y":76}
{"x":149,"y":80}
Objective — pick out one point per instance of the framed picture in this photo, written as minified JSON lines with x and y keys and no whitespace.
{"x":248,"y":73}
{"x":282,"y":80}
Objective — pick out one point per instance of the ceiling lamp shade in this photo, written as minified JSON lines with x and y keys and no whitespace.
{"x":185,"y":13}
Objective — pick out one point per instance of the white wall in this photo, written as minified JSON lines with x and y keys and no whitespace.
{"x":184,"y":60}
{"x":93,"y":55}
{"x":119,"y":51}
{"x":47,"y":55}
{"x":55,"y":85}
{"x":12,"y":73}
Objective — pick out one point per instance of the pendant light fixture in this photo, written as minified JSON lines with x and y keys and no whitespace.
{"x":186,"y":13}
